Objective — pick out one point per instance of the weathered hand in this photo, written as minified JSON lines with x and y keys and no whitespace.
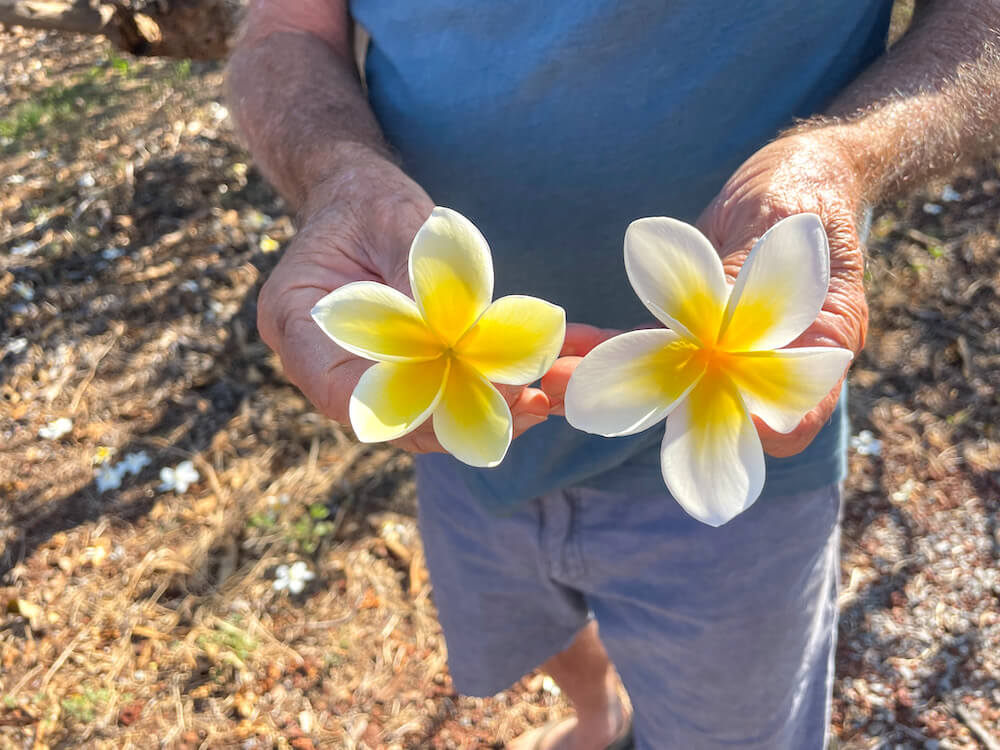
{"x":795,"y":174}
{"x":806,"y":172}
{"x":357,"y":226}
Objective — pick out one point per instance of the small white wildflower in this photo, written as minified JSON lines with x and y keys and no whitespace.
{"x":274,"y":501}
{"x":16,"y":346}
{"x":866,"y":444}
{"x":25,"y":248}
{"x":133,"y":463}
{"x":56,"y":428}
{"x":108,"y":477}
{"x":219,"y":112}
{"x":25,"y":289}
{"x":933,"y":209}
{"x":903,"y":493}
{"x":102,"y":455}
{"x":178,"y":478}
{"x":949,"y":194}
{"x":293,"y":577}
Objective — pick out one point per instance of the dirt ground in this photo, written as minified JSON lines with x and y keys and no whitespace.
{"x":135,"y":234}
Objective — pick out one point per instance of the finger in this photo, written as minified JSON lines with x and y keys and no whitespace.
{"x":421,"y":440}
{"x":529,"y":407}
{"x":325,"y":373}
{"x":556,"y":381}
{"x":524,"y":422}
{"x":783,"y":445}
{"x":522,"y":399}
{"x":531,"y":401}
{"x":581,"y":338}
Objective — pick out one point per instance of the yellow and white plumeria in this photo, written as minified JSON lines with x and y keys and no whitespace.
{"x":720,"y":361}
{"x":439,"y":353}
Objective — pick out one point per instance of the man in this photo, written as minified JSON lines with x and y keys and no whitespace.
{"x":551,"y":126}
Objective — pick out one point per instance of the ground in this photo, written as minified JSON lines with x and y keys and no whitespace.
{"x":136,"y":233}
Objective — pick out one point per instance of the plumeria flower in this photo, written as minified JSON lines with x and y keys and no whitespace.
{"x":903,"y":493}
{"x":108,"y":477}
{"x":293,"y":577}
{"x":103,"y":454}
{"x":720,"y":361}
{"x":133,"y":463}
{"x":866,"y":444}
{"x":56,"y":428}
{"x":439,"y":353}
{"x":178,"y":478}
{"x":25,"y":290}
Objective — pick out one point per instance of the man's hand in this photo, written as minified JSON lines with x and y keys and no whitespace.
{"x":806,"y":172}
{"x":357,"y":226}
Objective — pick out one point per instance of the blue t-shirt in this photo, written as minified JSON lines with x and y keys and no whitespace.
{"x":552,"y":125}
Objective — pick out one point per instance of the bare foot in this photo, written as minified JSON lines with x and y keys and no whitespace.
{"x":569,"y":734}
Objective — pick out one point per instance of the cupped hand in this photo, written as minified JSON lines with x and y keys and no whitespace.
{"x":801,"y":173}
{"x":808,"y":172}
{"x":357,"y":226}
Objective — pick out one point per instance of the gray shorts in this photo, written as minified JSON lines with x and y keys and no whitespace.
{"x":723,"y":637}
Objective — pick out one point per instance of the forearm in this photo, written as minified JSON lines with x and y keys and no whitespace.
{"x":931,"y":103}
{"x":298,"y":102}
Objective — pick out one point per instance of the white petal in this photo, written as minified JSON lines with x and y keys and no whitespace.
{"x":451,"y":273}
{"x":515,"y":341}
{"x":375,"y":321}
{"x":630,"y":382}
{"x":394,"y":398}
{"x":782,"y":386}
{"x":473,"y":422}
{"x":781,"y":287}
{"x":712,"y":459}
{"x":678,"y":276}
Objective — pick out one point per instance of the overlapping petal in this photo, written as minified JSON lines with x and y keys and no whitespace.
{"x":678,"y":275}
{"x":711,"y":456}
{"x":630,"y":382}
{"x":377,"y":322}
{"x":515,"y":341}
{"x":473,"y":422}
{"x":780,"y":288}
{"x":394,"y":398}
{"x":781,"y":386}
{"x":451,"y":273}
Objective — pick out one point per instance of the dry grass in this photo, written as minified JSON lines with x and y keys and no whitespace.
{"x":135,"y":616}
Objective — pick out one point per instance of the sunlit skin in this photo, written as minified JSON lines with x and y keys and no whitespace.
{"x":721,"y":360}
{"x":438,"y":354}
{"x":809,"y":172}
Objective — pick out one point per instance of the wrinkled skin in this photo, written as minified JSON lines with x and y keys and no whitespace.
{"x":808,"y":172}
{"x":359,"y":230}
{"x":362,"y":227}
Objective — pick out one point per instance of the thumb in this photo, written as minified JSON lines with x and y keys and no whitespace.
{"x":556,"y":381}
